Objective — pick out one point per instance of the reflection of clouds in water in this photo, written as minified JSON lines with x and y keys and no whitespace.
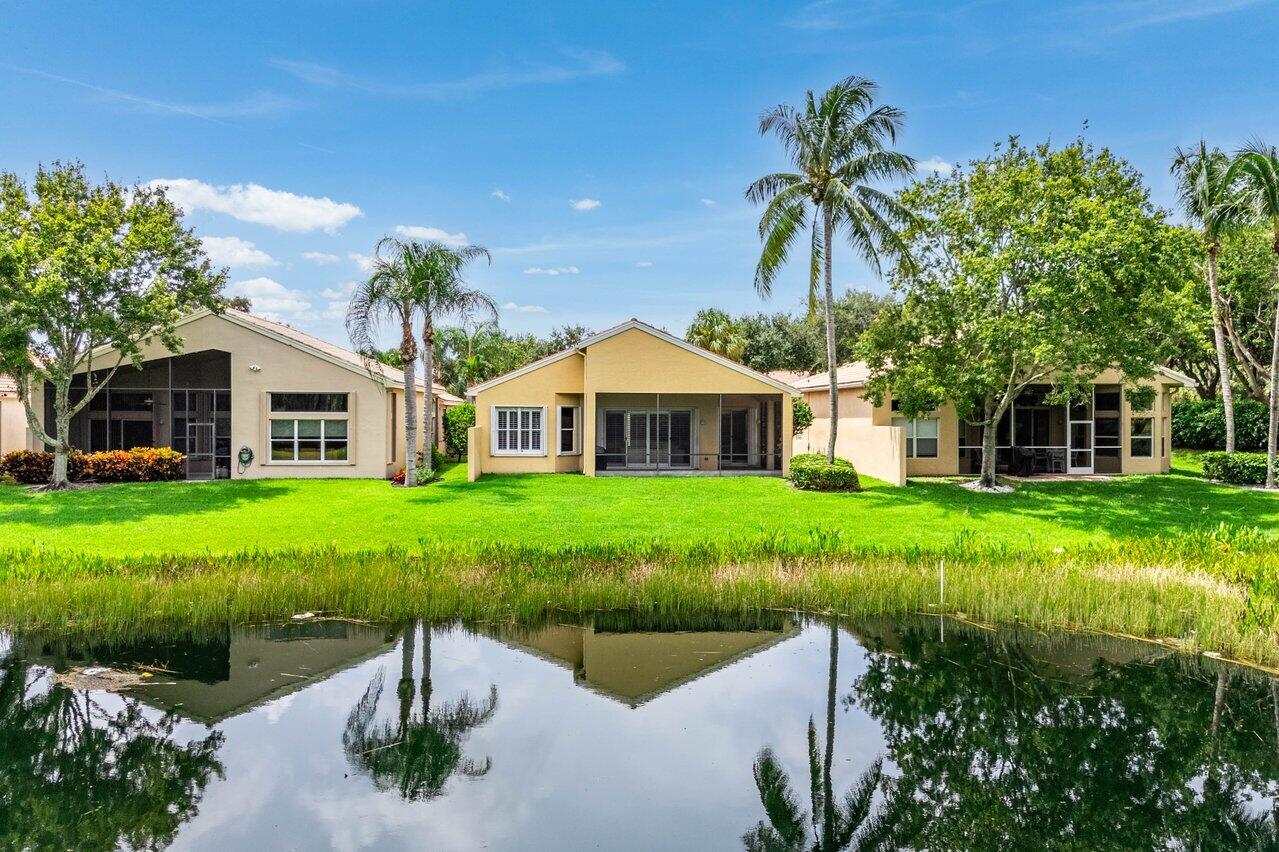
{"x":274,"y":711}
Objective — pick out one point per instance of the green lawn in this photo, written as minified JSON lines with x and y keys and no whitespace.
{"x":223,"y":517}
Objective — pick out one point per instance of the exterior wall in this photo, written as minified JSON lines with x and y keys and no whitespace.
{"x":285,"y":368}
{"x":558,"y":383}
{"x":862,"y":440}
{"x":14,"y":434}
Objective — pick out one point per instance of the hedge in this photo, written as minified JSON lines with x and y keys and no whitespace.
{"x":1237,"y":468}
{"x":142,"y":464}
{"x":811,"y":472}
{"x":1200,"y":424}
{"x":457,"y":420}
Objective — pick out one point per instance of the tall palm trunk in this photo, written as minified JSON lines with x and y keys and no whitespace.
{"x":426,"y":670}
{"x":1272,"y":434}
{"x":1219,"y":340}
{"x":828,"y":794}
{"x":828,"y":233}
{"x":408,"y":355}
{"x":404,"y":689}
{"x":428,"y":368}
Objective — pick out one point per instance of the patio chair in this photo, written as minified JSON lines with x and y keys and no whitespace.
{"x":1058,"y":460}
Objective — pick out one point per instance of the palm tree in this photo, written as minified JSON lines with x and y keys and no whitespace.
{"x":389,"y":294}
{"x":848,"y":824}
{"x":1257,"y":166}
{"x":839,"y":148}
{"x":439,"y":291}
{"x":1209,"y":198}
{"x":416,"y":754}
{"x":715,"y":330}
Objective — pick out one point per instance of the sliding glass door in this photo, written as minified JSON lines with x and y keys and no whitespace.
{"x":646,"y":439}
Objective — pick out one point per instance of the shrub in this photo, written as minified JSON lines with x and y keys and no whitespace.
{"x":1201,"y":424}
{"x":811,"y":472}
{"x":457,"y":420}
{"x":1238,"y":468}
{"x":802,"y":417}
{"x":142,"y":464}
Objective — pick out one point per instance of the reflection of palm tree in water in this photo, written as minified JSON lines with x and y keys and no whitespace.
{"x":416,"y":754}
{"x":852,"y":823}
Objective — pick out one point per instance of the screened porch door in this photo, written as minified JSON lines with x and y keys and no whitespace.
{"x":1080,"y":451}
{"x":654,"y":439}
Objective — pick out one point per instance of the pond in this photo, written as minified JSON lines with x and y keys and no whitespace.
{"x":623,"y":731}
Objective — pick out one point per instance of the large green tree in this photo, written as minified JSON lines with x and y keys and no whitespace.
{"x":88,"y":269}
{"x":1211,"y":201}
{"x":1034,"y":265}
{"x":839,"y":148}
{"x":1257,"y":166}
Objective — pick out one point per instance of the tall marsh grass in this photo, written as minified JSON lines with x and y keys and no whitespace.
{"x":1215,"y":590}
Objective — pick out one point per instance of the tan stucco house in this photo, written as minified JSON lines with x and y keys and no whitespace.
{"x":633,"y":399}
{"x":299,"y":405}
{"x":1103,"y":434}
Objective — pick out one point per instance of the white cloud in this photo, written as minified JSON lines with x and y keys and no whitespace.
{"x":364,"y":261}
{"x":270,"y":298}
{"x":552,"y":270}
{"x":708,"y":202}
{"x":935,"y":165}
{"x":500,"y":195}
{"x":524,"y":309}
{"x":285,"y":211}
{"x":584,"y":203}
{"x":422,"y":232}
{"x":235,"y":252}
{"x":644,"y":264}
{"x":342,"y":291}
{"x":321,"y":256}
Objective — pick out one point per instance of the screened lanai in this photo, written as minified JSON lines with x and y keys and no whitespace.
{"x":182,"y":402}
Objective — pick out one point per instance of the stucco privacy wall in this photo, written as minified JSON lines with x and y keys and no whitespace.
{"x":13,"y":425}
{"x":285,"y":367}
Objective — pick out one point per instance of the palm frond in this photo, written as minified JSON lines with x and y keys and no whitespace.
{"x":785,"y":816}
{"x":788,"y":220}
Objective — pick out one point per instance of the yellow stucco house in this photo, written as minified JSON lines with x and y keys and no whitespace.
{"x":1103,"y":434}
{"x":246,"y":397}
{"x":632,"y":400}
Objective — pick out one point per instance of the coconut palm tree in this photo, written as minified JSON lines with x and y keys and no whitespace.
{"x":416,"y":754}
{"x":1257,"y":167}
{"x":441,"y":292}
{"x":838,"y":146}
{"x":1209,"y":198}
{"x":389,"y":295}
{"x":836,"y":825}
{"x":715,"y":330}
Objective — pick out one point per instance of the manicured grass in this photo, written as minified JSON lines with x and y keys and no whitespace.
{"x":359,"y":515}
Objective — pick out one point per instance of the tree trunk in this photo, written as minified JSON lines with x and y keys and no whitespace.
{"x":426,"y":670}
{"x":409,"y":357}
{"x":990,"y":445}
{"x":1272,"y":434}
{"x":404,"y":689}
{"x":1219,"y":340}
{"x":832,"y":364}
{"x":828,"y":794}
{"x":60,"y":478}
{"x":428,"y":368}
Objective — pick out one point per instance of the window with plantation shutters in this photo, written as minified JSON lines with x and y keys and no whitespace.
{"x":518,"y":430}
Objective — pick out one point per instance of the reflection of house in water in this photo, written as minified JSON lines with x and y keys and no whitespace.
{"x":634,"y":662}
{"x":219,"y":674}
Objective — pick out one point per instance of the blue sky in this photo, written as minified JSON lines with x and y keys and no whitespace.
{"x":608,"y":144}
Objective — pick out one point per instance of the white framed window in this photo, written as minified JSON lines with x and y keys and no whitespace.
{"x":1141,"y":437}
{"x":568,"y":431}
{"x":519,"y":430}
{"x":921,"y":436}
{"x":309,"y":440}
{"x":309,"y":428}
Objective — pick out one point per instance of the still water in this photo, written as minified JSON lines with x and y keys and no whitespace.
{"x":626,"y":732}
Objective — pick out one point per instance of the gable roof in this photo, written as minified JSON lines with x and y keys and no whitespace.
{"x":636,"y":325}
{"x":8,"y":387}
{"x":857,"y":374}
{"x":323,"y":349}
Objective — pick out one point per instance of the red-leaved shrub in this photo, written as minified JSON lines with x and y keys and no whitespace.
{"x":142,"y":464}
